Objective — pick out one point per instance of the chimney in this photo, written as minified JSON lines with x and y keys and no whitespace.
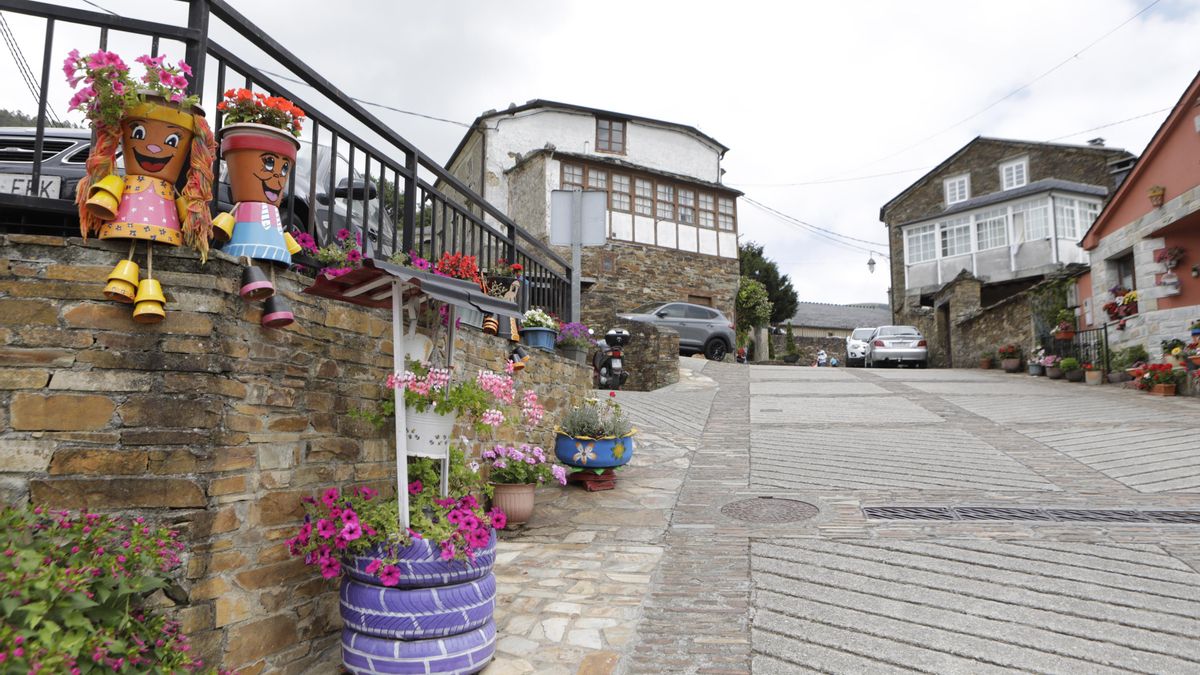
{"x":1118,"y":170}
{"x":1096,"y":142}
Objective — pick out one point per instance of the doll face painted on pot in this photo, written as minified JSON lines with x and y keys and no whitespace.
{"x":155,"y":148}
{"x":271,"y":173}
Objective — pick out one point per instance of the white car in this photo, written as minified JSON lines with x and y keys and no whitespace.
{"x":856,"y":346}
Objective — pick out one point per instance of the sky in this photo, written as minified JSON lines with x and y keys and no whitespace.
{"x":829,"y":109}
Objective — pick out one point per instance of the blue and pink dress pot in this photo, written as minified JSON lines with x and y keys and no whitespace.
{"x":593,"y":453}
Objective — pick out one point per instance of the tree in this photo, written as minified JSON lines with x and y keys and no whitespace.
{"x":16,"y":118}
{"x":753,"y":306}
{"x":755,"y":265}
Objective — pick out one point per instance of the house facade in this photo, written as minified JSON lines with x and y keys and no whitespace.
{"x":1128,"y":244}
{"x":1002,"y":213}
{"x":671,"y":225}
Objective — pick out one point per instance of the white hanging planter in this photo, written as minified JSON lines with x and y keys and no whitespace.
{"x":1169,"y":283}
{"x":428,"y":433}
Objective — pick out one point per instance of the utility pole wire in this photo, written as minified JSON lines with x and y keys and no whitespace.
{"x":808,"y":225}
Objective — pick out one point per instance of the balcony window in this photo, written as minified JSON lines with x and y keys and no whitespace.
{"x":1088,"y":213}
{"x":991,"y":229}
{"x":1064,"y":218}
{"x":956,"y":237}
{"x":958,"y":189}
{"x":610,"y":136}
{"x":1014,"y":174}
{"x":1032,"y":218}
{"x":919,"y":244}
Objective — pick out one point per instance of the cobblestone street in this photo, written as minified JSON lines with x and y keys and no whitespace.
{"x":1058,"y":556}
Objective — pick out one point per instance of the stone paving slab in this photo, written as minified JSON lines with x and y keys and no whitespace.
{"x":813,"y":387}
{"x":867,"y":410}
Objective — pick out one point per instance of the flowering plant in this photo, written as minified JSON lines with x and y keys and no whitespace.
{"x":503,"y":268}
{"x":574,"y":334}
{"x":358,"y":522}
{"x":1192,"y":349}
{"x":1169,"y":256}
{"x":1173,"y":346}
{"x":341,"y":256}
{"x":594,"y":419}
{"x":490,"y":398}
{"x":538,"y":318}
{"x":1155,"y":373}
{"x":1051,"y":361}
{"x":108,"y":89}
{"x":1037,"y":354}
{"x":1066,"y":320}
{"x":411,"y":259}
{"x":1089,"y":366}
{"x":74,"y":594}
{"x":521,"y":465}
{"x":243,"y":105}
{"x":459,"y":266}
{"x":1009,"y":351}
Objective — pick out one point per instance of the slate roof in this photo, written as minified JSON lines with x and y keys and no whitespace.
{"x":1038,"y":186}
{"x":824,"y":315}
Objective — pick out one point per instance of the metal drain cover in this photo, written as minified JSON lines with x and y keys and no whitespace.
{"x":769,"y":510}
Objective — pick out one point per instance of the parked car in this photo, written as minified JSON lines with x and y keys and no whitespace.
{"x":856,"y":346}
{"x":700,"y":328}
{"x":897,"y":344}
{"x":64,"y":157}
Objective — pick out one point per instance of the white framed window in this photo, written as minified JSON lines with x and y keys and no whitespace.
{"x":1033,"y":218}
{"x":1064,"y":218}
{"x":991,"y":229}
{"x":919,"y":244}
{"x":957,"y":189}
{"x":1088,"y":213}
{"x":1014,"y":174}
{"x":956,"y":237}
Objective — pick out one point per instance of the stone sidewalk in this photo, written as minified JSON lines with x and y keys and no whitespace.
{"x":661,"y":575}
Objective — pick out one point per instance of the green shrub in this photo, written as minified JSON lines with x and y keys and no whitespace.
{"x":1068,"y":364}
{"x":791,"y":341}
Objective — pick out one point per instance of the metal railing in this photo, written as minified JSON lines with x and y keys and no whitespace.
{"x":1088,"y":346}
{"x":374,"y":187}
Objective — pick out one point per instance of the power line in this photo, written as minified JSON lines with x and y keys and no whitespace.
{"x":833,"y":180}
{"x":1110,"y":124}
{"x":819,"y":231}
{"x":14,"y":48}
{"x":377,"y":105}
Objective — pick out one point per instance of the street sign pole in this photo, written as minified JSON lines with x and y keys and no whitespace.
{"x":576,"y":251}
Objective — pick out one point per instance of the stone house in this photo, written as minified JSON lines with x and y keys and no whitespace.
{"x":821,"y":319}
{"x":1135,"y":226}
{"x":671,"y":224}
{"x":1002,"y":212}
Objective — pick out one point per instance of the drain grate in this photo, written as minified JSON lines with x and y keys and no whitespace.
{"x":1046,"y":515}
{"x":769,"y":510}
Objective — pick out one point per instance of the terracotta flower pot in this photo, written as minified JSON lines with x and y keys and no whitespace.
{"x":1163,"y":390}
{"x":1011,"y":365}
{"x":515,"y":500}
{"x":1064,"y":335}
{"x":1094,"y":377}
{"x":985,"y":364}
{"x":259,"y":159}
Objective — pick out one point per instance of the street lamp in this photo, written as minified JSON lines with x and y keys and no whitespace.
{"x":871,"y":265}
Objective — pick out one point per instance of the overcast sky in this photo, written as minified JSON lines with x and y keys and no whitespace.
{"x":829,"y":109}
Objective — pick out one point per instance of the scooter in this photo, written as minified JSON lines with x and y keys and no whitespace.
{"x":607,"y":363}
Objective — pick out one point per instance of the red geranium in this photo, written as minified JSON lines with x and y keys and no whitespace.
{"x":459,"y":266}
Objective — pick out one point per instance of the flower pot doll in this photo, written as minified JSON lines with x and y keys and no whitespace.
{"x":160,"y":132}
{"x":258,"y":144}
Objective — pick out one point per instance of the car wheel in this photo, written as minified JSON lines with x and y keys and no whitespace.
{"x":716,"y":349}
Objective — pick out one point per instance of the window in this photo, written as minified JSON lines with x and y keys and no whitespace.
{"x":991,"y":228}
{"x":1064,"y":218}
{"x":610,"y":136}
{"x":725,"y":214}
{"x":958,"y":189}
{"x":597,"y":180}
{"x":707,"y":208}
{"x":1014,"y":174}
{"x":1033,"y":218}
{"x":700,"y":313}
{"x":687,"y":207}
{"x":918,"y":243}
{"x":572,"y":177}
{"x":620,"y":193}
{"x":956,"y":237}
{"x":643,"y":197}
{"x":1088,"y":213}
{"x":1124,"y":269}
{"x":673,"y":311}
{"x":665,"y":202}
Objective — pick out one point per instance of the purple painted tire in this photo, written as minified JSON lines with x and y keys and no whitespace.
{"x":463,"y":653}
{"x":417,"y":613}
{"x":421,"y":565}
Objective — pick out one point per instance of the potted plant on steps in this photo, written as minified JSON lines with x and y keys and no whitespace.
{"x":539,"y":329}
{"x":1072,"y":369}
{"x":1010,"y":358}
{"x":1173,"y":351}
{"x":595,"y":435}
{"x":575,"y":340}
{"x":1158,"y":379}
{"x":1092,"y":374}
{"x":514,"y":473}
{"x":1053,"y":368}
{"x":1065,"y":330}
{"x":1035,"y":362}
{"x":985,"y":360}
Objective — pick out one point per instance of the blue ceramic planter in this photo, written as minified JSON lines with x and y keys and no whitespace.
{"x":540,"y":338}
{"x":594,"y":453}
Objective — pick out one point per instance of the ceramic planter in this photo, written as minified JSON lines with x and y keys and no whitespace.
{"x":594,"y":453}
{"x":1011,"y":365}
{"x":1036,"y":369}
{"x":1064,"y":335}
{"x":1162,"y":390}
{"x":575,"y":353}
{"x":1054,"y":372}
{"x":515,"y":500}
{"x":428,"y":433}
{"x":259,"y":159}
{"x":1117,"y":378}
{"x":1093,"y":377}
{"x":539,"y":338}
{"x":1073,"y":375}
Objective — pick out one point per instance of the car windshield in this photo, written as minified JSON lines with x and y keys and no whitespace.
{"x":899,"y":330}
{"x":646,"y":308}
{"x":861,"y":333}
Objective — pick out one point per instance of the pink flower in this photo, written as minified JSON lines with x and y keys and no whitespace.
{"x":183,"y":66}
{"x":353,"y":255}
{"x":390,"y":575}
{"x":343,"y":234}
{"x":330,"y":497}
{"x":560,"y":473}
{"x":349,"y":516}
{"x":448,"y":550}
{"x":351,"y":531}
{"x":373,"y":566}
{"x":326,"y":529}
{"x":498,"y":517}
{"x":415,"y":487}
{"x":478,"y":538}
{"x":330,"y":568}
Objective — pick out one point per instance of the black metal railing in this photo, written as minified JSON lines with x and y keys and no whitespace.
{"x":354,"y":171}
{"x":1088,"y":346}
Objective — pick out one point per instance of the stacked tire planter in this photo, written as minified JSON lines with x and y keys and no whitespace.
{"x":438,"y":619}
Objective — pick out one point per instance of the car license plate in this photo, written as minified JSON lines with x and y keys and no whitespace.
{"x":21,"y":184}
{"x":616,"y":363}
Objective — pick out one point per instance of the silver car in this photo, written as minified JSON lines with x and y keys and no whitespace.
{"x":856,"y":346}
{"x":700,"y":328}
{"x":897,"y":344}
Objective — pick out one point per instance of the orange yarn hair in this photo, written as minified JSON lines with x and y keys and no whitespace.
{"x":197,"y":190}
{"x":101,"y":161}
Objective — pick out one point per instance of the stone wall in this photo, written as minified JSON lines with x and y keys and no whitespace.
{"x":652,"y":356}
{"x":208,"y":422}
{"x":808,"y":347}
{"x":1007,"y":322}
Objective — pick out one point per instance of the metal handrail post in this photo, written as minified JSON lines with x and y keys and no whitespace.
{"x":196,"y":49}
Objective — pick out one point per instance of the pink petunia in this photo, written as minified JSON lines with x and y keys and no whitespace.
{"x":330,"y":568}
{"x":389,"y":575}
{"x":351,"y":531}
{"x":499,"y":519}
{"x":326,"y":529}
{"x":373,"y":566}
{"x":415,"y":487}
{"x":330,"y":497}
